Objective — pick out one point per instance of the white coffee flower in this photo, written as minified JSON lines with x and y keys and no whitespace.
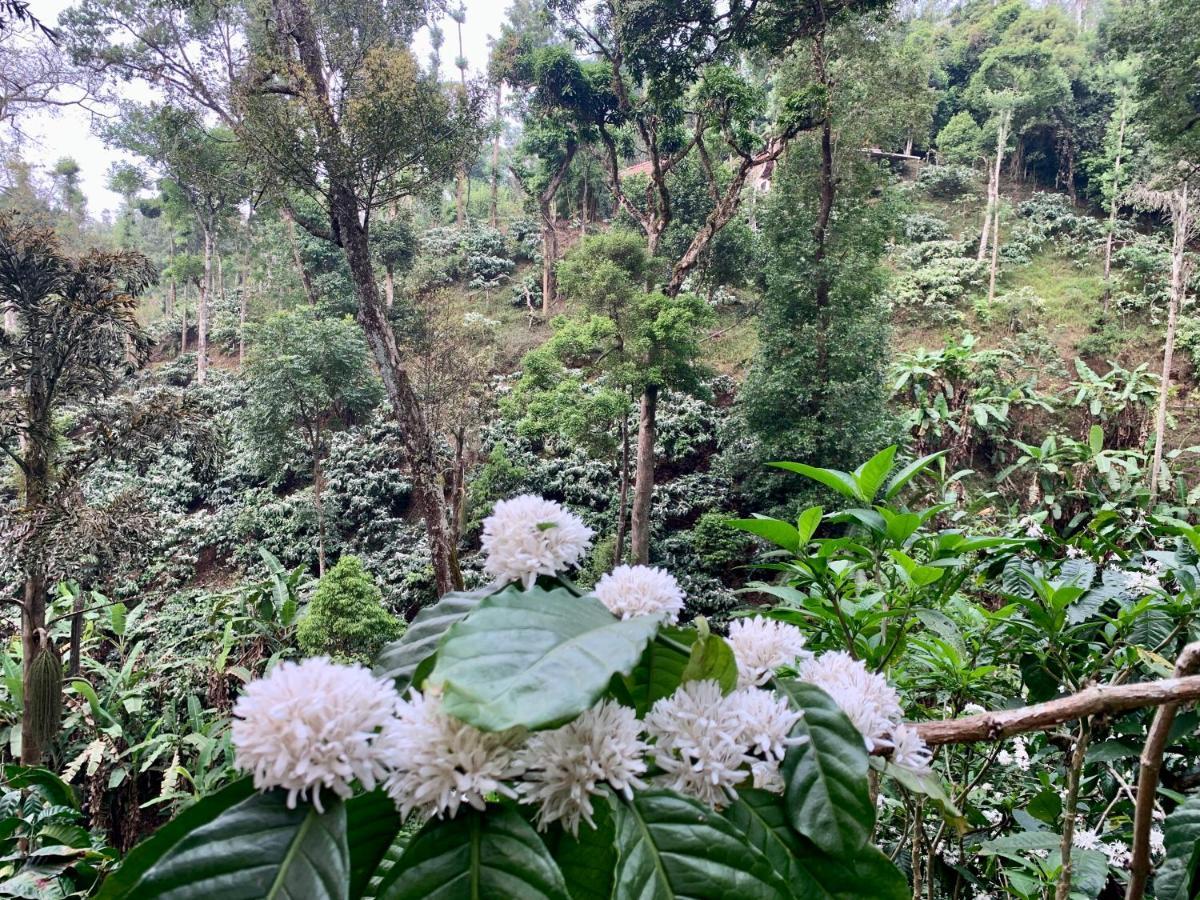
{"x":973,"y":709}
{"x":565,"y":767}
{"x":761,"y":646}
{"x":630,"y":591}
{"x":313,"y":724}
{"x":438,"y":762}
{"x":529,"y":536}
{"x":909,"y":751}
{"x":871,"y":704}
{"x":1118,"y":854}
{"x":1158,"y":845}
{"x":1020,"y":755}
{"x":1086,"y":839}
{"x":766,"y":722}
{"x":698,"y":742}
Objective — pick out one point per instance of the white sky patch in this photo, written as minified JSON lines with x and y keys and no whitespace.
{"x":69,"y":131}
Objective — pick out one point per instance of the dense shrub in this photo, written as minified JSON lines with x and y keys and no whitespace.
{"x":937,"y":288}
{"x":922,"y":227}
{"x":346,"y":620}
{"x":948,"y":182}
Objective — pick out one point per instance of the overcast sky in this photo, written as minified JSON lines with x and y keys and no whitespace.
{"x":69,"y":132}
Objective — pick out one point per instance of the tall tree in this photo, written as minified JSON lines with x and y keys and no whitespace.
{"x":309,"y":377}
{"x":74,"y":335}
{"x":329,"y":101}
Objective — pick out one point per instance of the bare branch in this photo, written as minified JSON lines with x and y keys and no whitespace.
{"x":1108,"y":699}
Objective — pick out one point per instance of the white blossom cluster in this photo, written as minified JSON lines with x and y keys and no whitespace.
{"x":317,"y":725}
{"x":630,"y":591}
{"x":529,"y":536}
{"x":871,"y":704}
{"x":760,"y":646}
{"x":707,"y":743}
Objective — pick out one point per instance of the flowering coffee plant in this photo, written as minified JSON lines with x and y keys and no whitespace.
{"x":533,"y":740}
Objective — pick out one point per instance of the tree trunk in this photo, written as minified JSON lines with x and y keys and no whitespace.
{"x":202,"y":310}
{"x":76,"y":636}
{"x":1181,"y":217}
{"x":994,"y":184}
{"x":1113,"y":205}
{"x":33,"y":616}
{"x":184,"y":327}
{"x":419,"y":444}
{"x":319,"y":505}
{"x":643,"y":484}
{"x":389,"y":286}
{"x":549,"y":258}
{"x":297,"y":260}
{"x":494,"y":201}
{"x":242,"y":326}
{"x":623,"y":499}
{"x":995,"y":253}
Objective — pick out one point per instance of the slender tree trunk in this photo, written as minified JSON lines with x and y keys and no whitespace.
{"x":549,"y":259}
{"x":419,"y":444}
{"x":1070,"y":807}
{"x":494,"y":201}
{"x":76,"y":636}
{"x":643,"y":484}
{"x":1113,"y":204}
{"x":995,"y":254}
{"x":202,"y":310}
{"x":242,"y":325}
{"x":389,"y":286}
{"x":994,"y":184}
{"x":623,"y":496}
{"x":319,"y":505}
{"x":297,"y":260}
{"x":33,"y":616}
{"x":1181,"y":216}
{"x":583,"y":211}
{"x":184,"y":326}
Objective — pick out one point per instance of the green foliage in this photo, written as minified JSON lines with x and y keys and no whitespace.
{"x":346,"y":619}
{"x":816,"y":390}
{"x":959,"y":143}
{"x":948,"y":182}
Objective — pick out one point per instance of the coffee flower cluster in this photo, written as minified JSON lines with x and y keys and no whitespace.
{"x":317,"y":725}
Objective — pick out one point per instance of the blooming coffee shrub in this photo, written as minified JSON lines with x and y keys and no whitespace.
{"x":548,"y":742}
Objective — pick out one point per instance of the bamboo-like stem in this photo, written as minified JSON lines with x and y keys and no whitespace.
{"x":1151,"y":764}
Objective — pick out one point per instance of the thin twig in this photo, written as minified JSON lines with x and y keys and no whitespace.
{"x":1151,"y":764}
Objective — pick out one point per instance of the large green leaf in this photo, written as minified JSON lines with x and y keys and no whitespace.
{"x":673,"y":846}
{"x":1179,"y":873}
{"x":842,"y":482}
{"x":781,"y":534}
{"x":475,"y":856}
{"x":826,"y":776}
{"x":711,"y":659}
{"x":399,"y":659}
{"x":588,"y":860}
{"x":253,"y":849}
{"x":870,"y":475}
{"x":660,"y":670}
{"x":372,"y":824}
{"x":535,"y":658}
{"x":812,"y":873}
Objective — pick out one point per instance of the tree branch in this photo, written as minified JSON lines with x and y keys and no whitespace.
{"x":1151,"y":764}
{"x":1109,"y":699}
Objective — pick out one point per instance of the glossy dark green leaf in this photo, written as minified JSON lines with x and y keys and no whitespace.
{"x":399,"y":659}
{"x":372,"y":824}
{"x":588,"y":860}
{"x":252,"y":849}
{"x":535,"y":658}
{"x":712,"y":659}
{"x":673,"y":846}
{"x":842,"y":482}
{"x":826,"y":776}
{"x":811,"y":873}
{"x":660,"y":670}
{"x":781,"y":534}
{"x":475,"y":856}
{"x":1178,"y":877}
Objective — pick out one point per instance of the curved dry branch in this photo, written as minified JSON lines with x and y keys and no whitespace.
{"x":1151,"y":764}
{"x":1104,"y":698}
